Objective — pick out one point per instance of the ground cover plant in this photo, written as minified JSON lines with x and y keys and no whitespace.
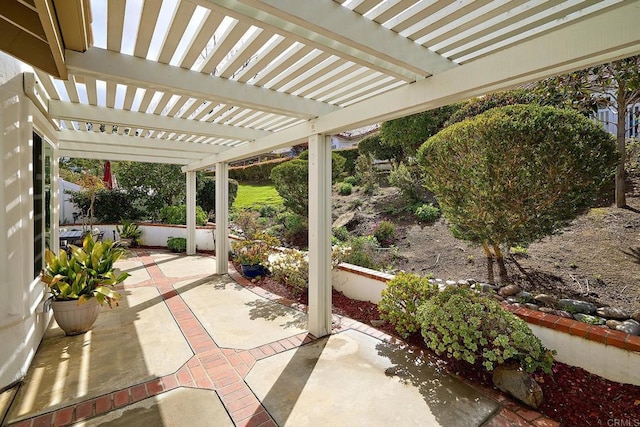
{"x":250,"y":195}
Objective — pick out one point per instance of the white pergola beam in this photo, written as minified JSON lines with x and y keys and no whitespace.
{"x":570,"y":48}
{"x":121,"y":157}
{"x":115,"y":142}
{"x":93,"y":114}
{"x":179,"y":158}
{"x":106,"y":65}
{"x":332,"y":28}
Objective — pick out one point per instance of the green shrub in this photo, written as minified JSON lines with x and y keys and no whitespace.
{"x":256,"y":172}
{"x":345,"y":189}
{"x":402,"y":297}
{"x":366,"y":174}
{"x":109,"y":205}
{"x":177,"y":244}
{"x":362,"y":251}
{"x":427,"y":212}
{"x":178,"y":215}
{"x":468,"y":326}
{"x":476,"y":106}
{"x":291,"y":268}
{"x":408,"y":178}
{"x":292,"y":183}
{"x":295,"y":229}
{"x":351,"y":180}
{"x":268,"y":211}
{"x":516,"y":174}
{"x":206,"y":194}
{"x":350,"y":155}
{"x":341,"y":233}
{"x":385,"y":233}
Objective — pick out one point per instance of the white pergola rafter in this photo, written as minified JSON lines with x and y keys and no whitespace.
{"x":112,"y":66}
{"x":93,"y":114}
{"x":109,"y":146}
{"x":567,"y":49}
{"x":343,"y":33}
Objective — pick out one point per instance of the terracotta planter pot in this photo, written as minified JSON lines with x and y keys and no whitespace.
{"x":75,"y":319}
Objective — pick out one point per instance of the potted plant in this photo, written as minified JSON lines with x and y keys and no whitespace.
{"x":129,"y":234}
{"x":81,"y":282}
{"x":253,"y":254}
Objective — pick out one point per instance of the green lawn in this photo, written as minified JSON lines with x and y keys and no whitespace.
{"x":254,"y":194}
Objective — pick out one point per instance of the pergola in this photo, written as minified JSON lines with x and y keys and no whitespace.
{"x":202,"y":83}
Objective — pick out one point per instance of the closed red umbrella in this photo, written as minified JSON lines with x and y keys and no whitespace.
{"x":108,"y":178}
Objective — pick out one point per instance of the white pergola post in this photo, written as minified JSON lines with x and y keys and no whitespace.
{"x":222,"y":217}
{"x":319,"y":313}
{"x":191,"y":213}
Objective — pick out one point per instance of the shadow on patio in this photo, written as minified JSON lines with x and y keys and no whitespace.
{"x":196,"y":349}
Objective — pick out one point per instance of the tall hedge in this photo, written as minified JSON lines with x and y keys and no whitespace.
{"x":515,"y":174}
{"x":256,"y":172}
{"x":206,"y":195}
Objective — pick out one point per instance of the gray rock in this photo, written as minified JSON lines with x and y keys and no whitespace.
{"x":376,"y":323}
{"x":463,"y":282}
{"x":512,"y":299}
{"x":547,"y":310}
{"x":531,"y":306}
{"x":563,"y":313}
{"x":613,"y":324}
{"x":450,"y":282}
{"x":509,"y":290}
{"x":630,"y":327}
{"x":518,"y":384}
{"x":525,"y":296}
{"x":497,"y":297}
{"x":613,"y":313}
{"x":484,"y":287}
{"x":587,"y":318}
{"x":636,"y":316}
{"x":576,"y":306}
{"x":344,"y":219}
{"x":547,"y":300}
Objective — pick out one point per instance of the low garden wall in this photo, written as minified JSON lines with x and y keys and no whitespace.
{"x":157,"y":234}
{"x":610,"y":354}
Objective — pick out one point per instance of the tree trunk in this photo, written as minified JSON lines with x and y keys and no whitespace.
{"x":621,"y":126}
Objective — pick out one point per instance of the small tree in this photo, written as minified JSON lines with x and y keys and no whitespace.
{"x":91,"y":185}
{"x":206,"y":195}
{"x":516,"y":174}
{"x":615,"y":85}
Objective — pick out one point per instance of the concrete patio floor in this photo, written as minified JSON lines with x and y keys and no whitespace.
{"x":187,"y":347}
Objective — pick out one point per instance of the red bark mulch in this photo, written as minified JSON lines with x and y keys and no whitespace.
{"x":572,"y":395}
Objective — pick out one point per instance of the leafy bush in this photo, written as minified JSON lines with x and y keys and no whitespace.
{"x":476,"y":106}
{"x":256,"y":250}
{"x":468,"y":326}
{"x":385,"y":233}
{"x":177,"y":244}
{"x":362,"y":251}
{"x":255,"y":172}
{"x":350,"y":155}
{"x":296,"y":229}
{"x":178,"y":215}
{"x":291,"y":268}
{"x":516,"y":174}
{"x":408,"y":178}
{"x":341,"y":233}
{"x":366,"y":174}
{"x":402,"y":297}
{"x":345,"y":189}
{"x":427,"y":212}
{"x":129,"y":230}
{"x":109,"y":205}
{"x":292,"y":183}
{"x":206,"y":194}
{"x":351,"y":180}
{"x":267,"y":211}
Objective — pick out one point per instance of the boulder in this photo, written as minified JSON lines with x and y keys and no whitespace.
{"x":512,"y":380}
{"x":525,"y":297}
{"x":531,"y":306}
{"x":587,"y":318}
{"x":630,"y":327}
{"x":509,"y":290}
{"x":547,"y":300}
{"x":613,"y":313}
{"x":576,"y":306}
{"x":344,"y":220}
{"x":636,"y":316}
{"x":613,"y":324}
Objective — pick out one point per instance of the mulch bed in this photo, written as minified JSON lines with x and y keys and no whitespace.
{"x":572,"y":395}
